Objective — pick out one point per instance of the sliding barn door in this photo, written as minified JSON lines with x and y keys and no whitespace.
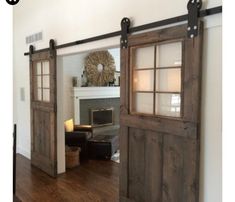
{"x":43,"y":111}
{"x":160,"y":116}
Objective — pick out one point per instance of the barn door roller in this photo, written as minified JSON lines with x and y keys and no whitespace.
{"x":125,"y":24}
{"x":52,"y":47}
{"x":194,"y":7}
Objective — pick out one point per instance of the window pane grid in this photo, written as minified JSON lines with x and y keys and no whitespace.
{"x":165,"y":90}
{"x":42,"y":79}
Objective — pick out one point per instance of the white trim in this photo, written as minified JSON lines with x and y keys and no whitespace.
{"x":92,"y":93}
{"x":212,"y":21}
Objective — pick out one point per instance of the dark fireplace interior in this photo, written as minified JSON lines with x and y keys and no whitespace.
{"x":101,"y":117}
{"x":100,"y":112}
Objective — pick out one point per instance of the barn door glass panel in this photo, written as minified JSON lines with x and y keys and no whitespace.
{"x":168,"y":80}
{"x":46,"y":95}
{"x":39,"y":94}
{"x":144,"y":103}
{"x":169,"y":54}
{"x":144,"y":57}
{"x":156,"y":79}
{"x":38,"y":82}
{"x":46,"y":81}
{"x":143,"y":80}
{"x":46,"y":67}
{"x":167,"y":104}
{"x":39,"y":68}
{"x":42,"y":81}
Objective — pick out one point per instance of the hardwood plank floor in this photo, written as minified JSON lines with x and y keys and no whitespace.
{"x":92,"y":181}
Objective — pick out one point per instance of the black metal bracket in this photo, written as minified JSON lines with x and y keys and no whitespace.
{"x":31,"y":51}
{"x":125,"y":25}
{"x":194,"y":7}
{"x":52,"y":47}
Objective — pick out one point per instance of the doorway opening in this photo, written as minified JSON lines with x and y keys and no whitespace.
{"x":93,"y":109}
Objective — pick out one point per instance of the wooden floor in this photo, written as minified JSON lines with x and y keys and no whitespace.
{"x":92,"y":181}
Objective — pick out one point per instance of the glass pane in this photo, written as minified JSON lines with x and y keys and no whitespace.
{"x":46,"y":95}
{"x":144,"y":57}
{"x":143,"y":80}
{"x":168,"y":104}
{"x":39,"y":81}
{"x":45,"y":67}
{"x":143,"y":103}
{"x":168,"y":80}
{"x":169,"y":55}
{"x":46,"y":82}
{"x":39,"y":94}
{"x":39,"y":69}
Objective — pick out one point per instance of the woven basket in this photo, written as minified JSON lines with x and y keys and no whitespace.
{"x":72,"y":157}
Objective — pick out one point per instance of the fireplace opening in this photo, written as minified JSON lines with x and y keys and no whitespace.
{"x":102,"y":117}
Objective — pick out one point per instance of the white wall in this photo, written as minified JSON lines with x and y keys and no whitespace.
{"x":71,"y":20}
{"x":73,"y":65}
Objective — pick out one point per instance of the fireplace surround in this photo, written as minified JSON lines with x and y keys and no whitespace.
{"x":106,"y":97}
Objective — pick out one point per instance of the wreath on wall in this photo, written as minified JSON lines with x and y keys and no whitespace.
{"x":99,"y":68}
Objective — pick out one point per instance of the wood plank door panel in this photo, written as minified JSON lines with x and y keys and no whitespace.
{"x":43,"y":111}
{"x":159,"y":150}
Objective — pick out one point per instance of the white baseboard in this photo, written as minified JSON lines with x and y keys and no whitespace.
{"x":23,"y":152}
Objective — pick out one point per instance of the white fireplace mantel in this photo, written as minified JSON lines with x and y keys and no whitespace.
{"x":81,"y":93}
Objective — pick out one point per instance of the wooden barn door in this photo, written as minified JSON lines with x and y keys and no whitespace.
{"x":160,"y":116}
{"x":43,"y":111}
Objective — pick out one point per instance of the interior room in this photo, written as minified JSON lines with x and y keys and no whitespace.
{"x":118,"y":100}
{"x":93,"y":104}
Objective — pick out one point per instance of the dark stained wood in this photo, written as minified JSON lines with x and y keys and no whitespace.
{"x":192,"y":77}
{"x":16,"y":199}
{"x":161,"y":36}
{"x":154,"y":82}
{"x":143,"y":69}
{"x":43,"y":117}
{"x":172,"y":169}
{"x":92,"y":181}
{"x":124,"y":175}
{"x":160,"y":155}
{"x":180,"y":169}
{"x":177,"y":127}
{"x":124,"y":149}
{"x":136,"y":164}
{"x":191,"y":170}
{"x":153,"y":169}
{"x":160,"y":68}
{"x":129,"y":80}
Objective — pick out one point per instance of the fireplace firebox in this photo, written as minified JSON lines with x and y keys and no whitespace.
{"x":102,"y":117}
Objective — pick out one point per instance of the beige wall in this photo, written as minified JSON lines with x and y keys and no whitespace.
{"x":71,"y":20}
